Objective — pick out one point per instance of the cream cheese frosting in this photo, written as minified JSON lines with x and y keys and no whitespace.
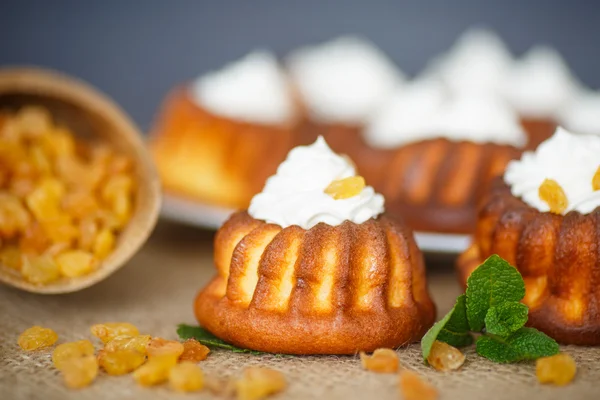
{"x":540,"y":84}
{"x":570,"y":159}
{"x":478,"y":61}
{"x":252,"y":89}
{"x":295,"y":195}
{"x":344,"y":80}
{"x":582,"y":115}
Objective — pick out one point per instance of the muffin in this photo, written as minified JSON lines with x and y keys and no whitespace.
{"x":315,"y":266}
{"x":539,"y":86}
{"x":340,"y":84}
{"x":441,"y":152}
{"x":219,"y":137}
{"x":544,"y":218}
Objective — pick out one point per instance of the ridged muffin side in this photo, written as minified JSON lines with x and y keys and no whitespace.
{"x":326,"y":290}
{"x":558,"y":257}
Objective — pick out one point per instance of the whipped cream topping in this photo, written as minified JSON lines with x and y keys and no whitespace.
{"x":409,"y":115}
{"x":570,"y":159}
{"x":252,"y":89}
{"x":343,"y":80}
{"x":295,"y":194}
{"x":582,"y":115}
{"x":479,"y":61}
{"x":479,"y":118}
{"x":540,"y":83}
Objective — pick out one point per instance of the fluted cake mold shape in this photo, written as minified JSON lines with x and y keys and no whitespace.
{"x":327,"y":290}
{"x":558,"y":257}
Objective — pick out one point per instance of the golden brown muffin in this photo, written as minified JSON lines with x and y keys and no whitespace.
{"x":212,"y":158}
{"x":538,"y":130}
{"x":558,"y":257}
{"x":325,"y":290}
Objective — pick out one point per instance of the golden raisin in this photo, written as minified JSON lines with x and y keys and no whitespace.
{"x":444,"y":357}
{"x":413,"y":387}
{"x":161,"y":347}
{"x":194,"y":351}
{"x":33,"y":120}
{"x":74,"y":263}
{"x":79,"y":372}
{"x":10,"y":256}
{"x":104,"y":244}
{"x":63,"y":353}
{"x":155,"y":371}
{"x":186,"y":377}
{"x":110,"y":330}
{"x":40,"y":269}
{"x":382,"y":360}
{"x":37,"y":337}
{"x":120,"y":362}
{"x":136,"y":343}
{"x":553,"y":194}
{"x":257,"y":383}
{"x":596,"y":180}
{"x":559,"y":369}
{"x":346,"y":188}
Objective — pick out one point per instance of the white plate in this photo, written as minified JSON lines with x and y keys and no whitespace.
{"x":212,"y":217}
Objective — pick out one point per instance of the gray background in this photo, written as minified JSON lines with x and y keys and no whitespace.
{"x":136,"y":50}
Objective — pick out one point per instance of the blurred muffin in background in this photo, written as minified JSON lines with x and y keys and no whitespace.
{"x":444,"y":149}
{"x":582,"y":114}
{"x":341,"y":83}
{"x":539,"y":86}
{"x":219,"y":137}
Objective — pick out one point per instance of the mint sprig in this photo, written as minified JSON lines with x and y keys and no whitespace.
{"x":524,"y":344}
{"x":208,"y":339}
{"x":492,"y":284}
{"x":506,"y":318}
{"x":452,"y":329}
{"x":491,"y":306}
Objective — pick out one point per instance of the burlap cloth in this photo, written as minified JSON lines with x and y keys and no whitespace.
{"x":155,"y":292}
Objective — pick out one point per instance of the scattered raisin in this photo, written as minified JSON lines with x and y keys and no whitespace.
{"x":137,"y":343}
{"x":79,"y":372}
{"x":155,"y":371}
{"x":186,"y":377}
{"x":382,"y":360}
{"x":120,"y":362}
{"x":257,"y":383}
{"x":444,"y":357}
{"x":110,"y":330}
{"x":559,"y":369}
{"x":64,"y":353}
{"x":37,"y":337}
{"x":194,"y":351}
{"x":161,"y":347}
{"x":413,"y":387}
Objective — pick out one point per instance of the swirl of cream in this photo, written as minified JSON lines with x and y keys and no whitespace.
{"x":570,"y":159}
{"x":540,"y":84}
{"x":295,"y":195}
{"x":344,"y":80}
{"x":252,"y":89}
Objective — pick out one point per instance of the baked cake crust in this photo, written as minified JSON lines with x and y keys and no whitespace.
{"x":215,"y":159}
{"x":326,"y":290}
{"x":558,"y":257}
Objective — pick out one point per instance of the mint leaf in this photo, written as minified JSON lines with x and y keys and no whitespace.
{"x":208,"y":339}
{"x":452,"y":329}
{"x":493,"y":283}
{"x":506,"y":318}
{"x":524,"y":344}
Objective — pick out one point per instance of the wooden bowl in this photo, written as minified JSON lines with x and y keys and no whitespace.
{"x":88,"y":113}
